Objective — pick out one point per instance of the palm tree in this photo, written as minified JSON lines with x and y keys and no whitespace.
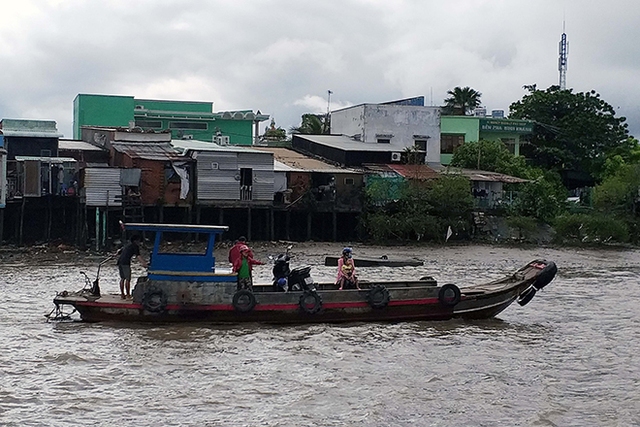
{"x":462,"y":101}
{"x":312,"y":124}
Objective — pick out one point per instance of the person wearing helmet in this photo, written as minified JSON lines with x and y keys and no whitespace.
{"x":243,"y":265}
{"x":346,"y":270}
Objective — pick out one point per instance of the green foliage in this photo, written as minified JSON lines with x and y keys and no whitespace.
{"x":543,"y":198}
{"x":525,"y":226}
{"x":423,"y":210}
{"x":274,"y":134}
{"x":461,"y":101}
{"x":582,"y":228}
{"x":313,"y":124}
{"x":574,"y":131}
{"x":618,"y":193}
{"x":492,"y":156}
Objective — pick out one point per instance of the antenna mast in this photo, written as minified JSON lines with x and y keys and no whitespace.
{"x":562,"y":60}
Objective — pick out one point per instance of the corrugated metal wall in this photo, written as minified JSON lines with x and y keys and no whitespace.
{"x":98,"y":182}
{"x":219,"y":175}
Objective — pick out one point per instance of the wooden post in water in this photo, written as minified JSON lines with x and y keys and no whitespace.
{"x":309,"y":225}
{"x":335,"y":225}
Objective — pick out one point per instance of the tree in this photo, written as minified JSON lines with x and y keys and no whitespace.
{"x":313,"y":124}
{"x":573,"y":131}
{"x":492,"y":156}
{"x":461,"y":101}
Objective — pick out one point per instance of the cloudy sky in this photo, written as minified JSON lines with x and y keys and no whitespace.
{"x":281,"y":57}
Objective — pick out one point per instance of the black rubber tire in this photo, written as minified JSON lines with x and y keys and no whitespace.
{"x":546,"y":275}
{"x":154,"y":300}
{"x":315,"y":306}
{"x":244,"y":301}
{"x":378,"y":297}
{"x":526,"y":296}
{"x":445,"y":297}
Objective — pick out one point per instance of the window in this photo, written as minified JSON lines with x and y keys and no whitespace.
{"x":510,"y":143}
{"x":215,"y":165}
{"x":149,"y":124}
{"x":349,"y":181}
{"x":384,"y":141}
{"x":188,"y":125}
{"x":449,"y":142}
{"x":421,"y":144}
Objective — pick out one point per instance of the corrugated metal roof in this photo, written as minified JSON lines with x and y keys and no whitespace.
{"x":191,"y":145}
{"x":148,"y":150}
{"x":46,"y":159}
{"x":345,"y":143}
{"x":76,"y":145}
{"x":414,"y":171}
{"x":301,"y":163}
{"x":479,"y":175}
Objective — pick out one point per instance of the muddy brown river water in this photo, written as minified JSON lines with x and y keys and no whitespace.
{"x":568,"y":358}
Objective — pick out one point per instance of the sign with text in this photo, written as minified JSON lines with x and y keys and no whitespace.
{"x":506,"y":125}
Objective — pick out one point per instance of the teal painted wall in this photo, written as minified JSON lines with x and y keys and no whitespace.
{"x":469,"y":126}
{"x":101,"y":110}
{"x":107,"y":110}
{"x":182,"y":106}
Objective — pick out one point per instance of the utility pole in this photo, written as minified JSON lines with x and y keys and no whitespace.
{"x":328,"y":118}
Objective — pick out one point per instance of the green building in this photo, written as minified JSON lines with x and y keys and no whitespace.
{"x":185,"y":119}
{"x":456,"y":130}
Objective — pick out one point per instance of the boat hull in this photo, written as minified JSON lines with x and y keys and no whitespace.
{"x":189,"y":301}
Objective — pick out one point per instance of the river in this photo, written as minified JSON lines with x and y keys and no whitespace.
{"x":568,"y":358}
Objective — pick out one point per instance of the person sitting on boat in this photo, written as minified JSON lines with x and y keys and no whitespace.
{"x":234,"y":252}
{"x":243,"y":265}
{"x":124,"y":264}
{"x":346,"y":270}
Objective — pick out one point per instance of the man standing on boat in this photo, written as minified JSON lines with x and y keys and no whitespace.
{"x":243,"y":266}
{"x":124,"y":264}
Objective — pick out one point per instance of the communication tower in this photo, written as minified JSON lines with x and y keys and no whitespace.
{"x":562,"y":60}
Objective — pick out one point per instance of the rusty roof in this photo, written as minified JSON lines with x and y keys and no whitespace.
{"x":480,"y":175}
{"x":414,"y":171}
{"x":300,"y":162}
{"x":149,"y":151}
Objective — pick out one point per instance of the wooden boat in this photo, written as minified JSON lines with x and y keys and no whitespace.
{"x":383,"y":261}
{"x":189,"y":287}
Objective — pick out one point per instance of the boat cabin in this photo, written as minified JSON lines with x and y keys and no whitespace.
{"x":167,"y":263}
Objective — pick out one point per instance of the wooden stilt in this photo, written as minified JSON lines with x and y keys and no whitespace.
{"x":309,"y":226}
{"x":249,"y":223}
{"x":1,"y":225}
{"x":272,"y":226}
{"x":287,"y":234}
{"x":24,"y":201}
{"x":335,"y":226}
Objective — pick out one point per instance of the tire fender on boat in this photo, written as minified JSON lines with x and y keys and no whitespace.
{"x":310,"y":302}
{"x":154,"y":300}
{"x":244,"y":301}
{"x":546,"y":275}
{"x":378,"y":297}
{"x":526,"y":296}
{"x":449,"y":295}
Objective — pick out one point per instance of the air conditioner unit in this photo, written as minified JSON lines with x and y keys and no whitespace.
{"x":187,"y":136}
{"x":396,"y":157}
